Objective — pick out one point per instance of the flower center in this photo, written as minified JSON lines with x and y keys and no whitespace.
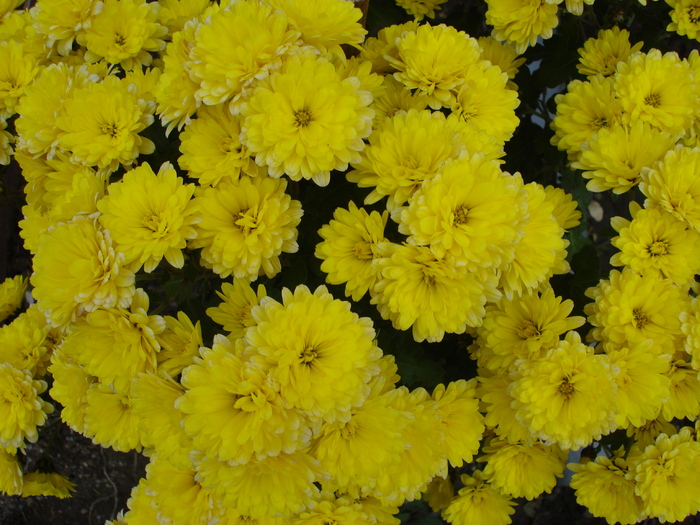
{"x":694,"y":14}
{"x":528,"y":330}
{"x":109,"y":129}
{"x":302,"y":118}
{"x":230,"y":145}
{"x":640,"y":318}
{"x":599,"y":122}
{"x":653,"y":100}
{"x":461,"y":214}
{"x":247,"y":220}
{"x":349,"y":429}
{"x":658,"y":248}
{"x":363,"y":251}
{"x":120,"y":40}
{"x":566,"y":389}
{"x":155,"y":224}
{"x":308,"y":355}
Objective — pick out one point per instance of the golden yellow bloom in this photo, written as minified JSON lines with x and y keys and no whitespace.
{"x":307,"y":120}
{"x":658,"y":89}
{"x":211,"y":149}
{"x":456,"y":213}
{"x":11,"y":295}
{"x":47,"y":484}
{"x":435,"y":60}
{"x":497,"y":403}
{"x":523,"y":471}
{"x":245,"y":227}
{"x":478,"y":503}
{"x":684,"y":16}
{"x":60,"y":21}
{"x":327,"y":508}
{"x":353,"y":240}
{"x":430,"y":294}
{"x":565,"y":207}
{"x":684,"y":398}
{"x":600,"y":55}
{"x":6,"y":141}
{"x":110,"y":420}
{"x":21,"y":408}
{"x":420,"y":9}
{"x":674,"y":185}
{"x":568,"y":396}
{"x":141,"y":508}
{"x":656,"y":243}
{"x":77,"y":269}
{"x":605,"y":488}
{"x":123,"y":32}
{"x":174,"y":14}
{"x":690,"y":320}
{"x":395,"y":98}
{"x":503,"y":55}
{"x":180,"y":343}
{"x":439,"y":493}
{"x":101,"y":123}
{"x":376,"y":49}
{"x":10,"y":472}
{"x":234,"y":314}
{"x":320,"y":353}
{"x":150,"y":216}
{"x":521,"y":21}
{"x":24,"y":343}
{"x":236,"y":46}
{"x":667,"y":474}
{"x":70,"y":386}
{"x":615,"y":157}
{"x":647,"y":433}
{"x":17,"y":70}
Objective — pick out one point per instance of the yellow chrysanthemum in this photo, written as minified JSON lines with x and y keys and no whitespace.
{"x":497,"y":404}
{"x":503,"y":55}
{"x":153,"y":401}
{"x":456,"y":215}
{"x":523,"y":327}
{"x":10,"y":473}
{"x":321,"y":353}
{"x":115,"y":345}
{"x":11,"y":295}
{"x":647,"y":433}
{"x":141,"y":511}
{"x":656,"y":243}
{"x":394,"y":98}
{"x":150,"y":216}
{"x":541,"y":252}
{"x":324,"y":24}
{"x":327,"y":508}
{"x":110,"y":420}
{"x":77,"y":269}
{"x":484,"y":101}
{"x":431,"y":294}
{"x":47,"y":484}
{"x":405,"y":151}
{"x":420,"y":9}
{"x":674,"y":185}
{"x":60,"y":21}
{"x":377,"y":49}
{"x":600,"y":55}
{"x":24,"y":343}
{"x":6,"y":141}
{"x":180,"y":343}
{"x":667,"y":474}
{"x":21,"y":408}
{"x":70,"y":386}
{"x":245,"y":227}
{"x":123,"y":32}
{"x":307,"y":120}
{"x":100,"y":124}
{"x":521,"y":22}
{"x":279,"y":485}
{"x":439,"y":493}
{"x":352,"y":242}
{"x":236,"y":46}
{"x":642,"y":383}
{"x":174,"y":14}
{"x":567,"y":397}
{"x":478,"y":503}
{"x":211,"y":149}
{"x":684,"y":391}
{"x":690,"y":326}
{"x":630,"y":308}
{"x":436,"y":61}
{"x":615,"y":157}
{"x":565,"y":207}
{"x":684,"y":17}
{"x":605,"y":488}
{"x":582,"y":111}
{"x":658,"y":89}
{"x":233,"y":412}
{"x":17,"y":70}
{"x":461,"y":422}
{"x":234,"y":314}
{"x":523,"y":471}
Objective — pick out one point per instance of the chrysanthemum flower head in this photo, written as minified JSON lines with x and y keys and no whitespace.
{"x":100,"y":124}
{"x":690,"y":319}
{"x":306,"y":120}
{"x":565,"y":207}
{"x":180,"y":343}
{"x":684,"y":391}
{"x":234,"y":314}
{"x":395,"y":98}
{"x":674,"y":185}
{"x":174,"y":14}
{"x":521,"y":22}
{"x":435,"y":60}
{"x":110,"y":420}
{"x":321,"y":353}
{"x":11,"y":295}
{"x":605,"y":487}
{"x":21,"y":408}
{"x":70,"y":385}
{"x":456,"y":214}
{"x":10,"y":472}
{"x":237,"y":46}
{"x":420,"y":9}
{"x":615,"y":157}
{"x":245,"y":227}
{"x":24,"y":343}
{"x":658,"y":89}
{"x":123,"y":32}
{"x":328,"y":508}
{"x":568,"y":396}
{"x":600,"y":55}
{"x":61,"y":21}
{"x":352,"y":242}
{"x":77,"y":269}
{"x":211,"y":149}
{"x":17,"y":70}
{"x":47,"y":484}
{"x":377,"y":49}
{"x":432,"y":295}
{"x":646,"y":434}
{"x":501,"y":54}
{"x":667,"y":474}
{"x":684,"y":19}
{"x":150,"y":216}
{"x":478,"y":503}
